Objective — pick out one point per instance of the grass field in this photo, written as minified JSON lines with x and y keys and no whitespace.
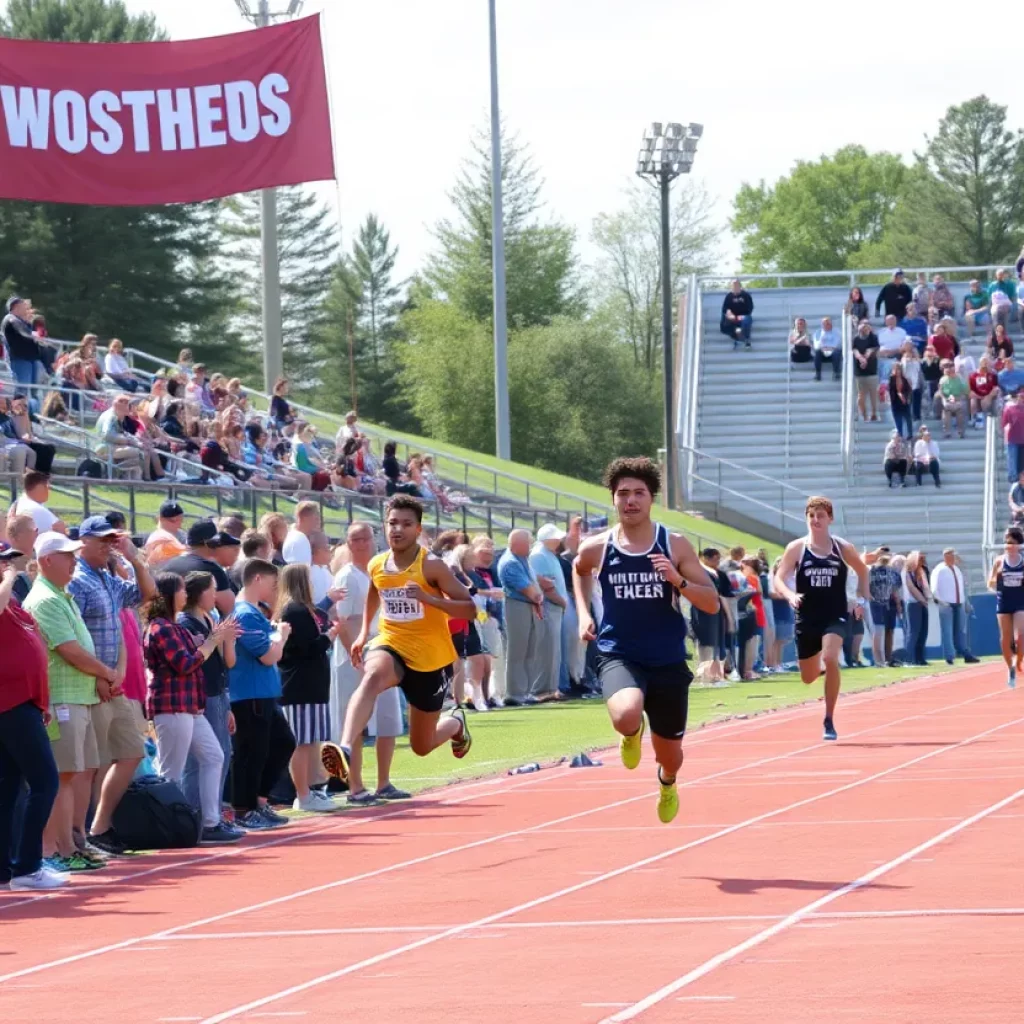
{"x":514,"y":736}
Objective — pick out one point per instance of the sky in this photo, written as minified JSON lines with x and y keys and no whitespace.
{"x":580,"y":79}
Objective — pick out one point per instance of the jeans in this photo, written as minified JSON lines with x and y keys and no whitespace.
{"x":952,"y":623}
{"x":918,"y":637}
{"x":915,"y":404}
{"x":263,"y":745}
{"x":1012,"y":461}
{"x":25,"y":757}
{"x":217,"y":709}
{"x":741,"y":324}
{"x":902,"y":417}
{"x":836,"y":359}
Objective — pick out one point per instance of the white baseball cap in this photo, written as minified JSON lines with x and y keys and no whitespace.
{"x":53,"y":543}
{"x":550,"y":532}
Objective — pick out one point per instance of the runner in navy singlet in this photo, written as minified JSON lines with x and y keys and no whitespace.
{"x":642,"y":569}
{"x":820,"y":563}
{"x":1007,"y":580}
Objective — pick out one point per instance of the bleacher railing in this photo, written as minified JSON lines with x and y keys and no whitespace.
{"x":995,"y":472}
{"x":879,"y":275}
{"x":849,"y":403}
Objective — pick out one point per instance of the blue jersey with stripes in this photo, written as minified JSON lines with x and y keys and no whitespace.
{"x":642,"y":621}
{"x":1010,"y":588}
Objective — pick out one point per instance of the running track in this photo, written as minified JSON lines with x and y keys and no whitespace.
{"x":874,"y":879}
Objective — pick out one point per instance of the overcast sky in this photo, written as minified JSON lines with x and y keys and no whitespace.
{"x":772,"y":83}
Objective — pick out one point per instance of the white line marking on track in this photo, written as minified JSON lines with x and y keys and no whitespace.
{"x":603,"y":1005}
{"x":126,"y":943}
{"x":706,"y":999}
{"x":501,"y":915}
{"x":797,"y":917}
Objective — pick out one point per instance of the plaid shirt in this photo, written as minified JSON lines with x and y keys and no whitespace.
{"x":100,"y":595}
{"x":174,"y":671}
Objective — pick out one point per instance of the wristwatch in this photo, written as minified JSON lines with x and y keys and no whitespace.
{"x":683,"y":584}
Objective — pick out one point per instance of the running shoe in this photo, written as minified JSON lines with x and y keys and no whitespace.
{"x":391,"y":792}
{"x":218,"y":835}
{"x":460,"y":747}
{"x":253,"y":821}
{"x":631,"y":747}
{"x":362,"y":799}
{"x":107,"y":842}
{"x":325,"y":799}
{"x":44,"y":878}
{"x":668,"y":800}
{"x":312,"y":804}
{"x":830,"y":730}
{"x":1011,"y":678}
{"x":266,"y":812}
{"x":334,"y":758}
{"x":81,"y":862}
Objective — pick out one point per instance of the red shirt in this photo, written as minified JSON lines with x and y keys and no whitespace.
{"x":24,"y":676}
{"x":757,"y":599}
{"x":983,"y":384}
{"x":943,"y":345}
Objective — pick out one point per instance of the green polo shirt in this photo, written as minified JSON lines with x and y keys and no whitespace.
{"x":953,"y":387}
{"x":61,"y":622}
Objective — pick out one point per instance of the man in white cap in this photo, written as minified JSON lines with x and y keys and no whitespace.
{"x":544,"y":562}
{"x":78,"y":680}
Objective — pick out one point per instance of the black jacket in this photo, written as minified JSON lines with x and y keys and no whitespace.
{"x":896,"y":298}
{"x":305,"y":663}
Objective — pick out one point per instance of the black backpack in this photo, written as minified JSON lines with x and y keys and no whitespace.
{"x":154,"y":815}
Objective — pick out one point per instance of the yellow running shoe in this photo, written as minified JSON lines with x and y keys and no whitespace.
{"x":631,"y":747}
{"x":668,"y":800}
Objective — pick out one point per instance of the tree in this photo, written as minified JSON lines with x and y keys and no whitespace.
{"x":627,"y":276}
{"x":965,"y":203}
{"x":819,"y":216}
{"x":127,"y":271}
{"x":540,"y":258}
{"x":307,"y":242}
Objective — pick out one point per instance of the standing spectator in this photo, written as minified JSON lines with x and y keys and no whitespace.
{"x":976,"y":312}
{"x":201,"y":557}
{"x":942,"y":299}
{"x":1017,"y":501}
{"x":749,"y":643}
{"x":984,"y":389}
{"x":917,"y":596}
{"x":801,"y":347}
{"x":22,"y":345}
{"x":926,"y":457}
{"x":349,"y":431}
{"x":952,"y":400}
{"x":911,"y":363}
{"x":21,"y":535}
{"x":865,"y":369}
{"x":320,"y":575}
{"x":895,"y":460}
{"x":281,"y":413}
{"x":118,"y":722}
{"x":886,"y":587}
{"x":856,"y":308}
{"x":737,"y":314}
{"x":1013,"y":433}
{"x":296,"y":547}
{"x":916,"y":327}
{"x":175,"y":701}
{"x":226,"y":549}
{"x":828,"y":348}
{"x":922,"y":295}
{"x":254,"y":545}
{"x":524,"y":617}
{"x":386,"y":723}
{"x":895,"y":296}
{"x":275,"y":526}
{"x":26,"y":758}
{"x":931,"y":375}
{"x":263,"y":742}
{"x":544,"y":562}
{"x":901,"y":397}
{"x":948,"y":587}
{"x":167,"y":541}
{"x":711,"y":560}
{"x":492,"y":631}
{"x":35,"y":493}
{"x":891,"y":339}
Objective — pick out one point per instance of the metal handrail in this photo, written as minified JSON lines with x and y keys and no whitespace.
{"x":746,"y":469}
{"x":851,"y":275}
{"x":800,"y":521}
{"x":849,"y":402}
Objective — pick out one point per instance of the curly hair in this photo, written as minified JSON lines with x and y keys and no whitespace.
{"x":637,"y":468}
{"x":404,"y":501}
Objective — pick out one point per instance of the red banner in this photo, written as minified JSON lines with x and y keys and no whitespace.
{"x":138,"y":124}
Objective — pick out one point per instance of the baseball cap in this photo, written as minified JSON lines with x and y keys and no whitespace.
{"x":201,"y":533}
{"x":550,"y":532}
{"x":225,"y":540}
{"x":13,"y":301}
{"x":51,"y":543}
{"x":116,"y":519}
{"x":96,"y":526}
{"x":898,"y":272}
{"x":8,"y":553}
{"x":171,"y":510}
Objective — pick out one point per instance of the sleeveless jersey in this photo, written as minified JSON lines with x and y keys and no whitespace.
{"x":642,"y":621}
{"x":417,"y":633}
{"x":1010,"y":588}
{"x":822,"y":582}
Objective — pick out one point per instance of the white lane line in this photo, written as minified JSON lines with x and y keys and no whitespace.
{"x":501,"y":915}
{"x":706,"y":999}
{"x":799,"y":916}
{"x":598,"y":1006}
{"x":203,"y":922}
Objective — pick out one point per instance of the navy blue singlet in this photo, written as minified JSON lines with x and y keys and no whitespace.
{"x":1010,"y":588}
{"x":642,"y":621}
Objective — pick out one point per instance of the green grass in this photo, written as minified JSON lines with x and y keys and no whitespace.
{"x":543,"y":734}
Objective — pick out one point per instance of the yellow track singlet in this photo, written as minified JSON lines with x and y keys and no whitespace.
{"x":417,"y":633}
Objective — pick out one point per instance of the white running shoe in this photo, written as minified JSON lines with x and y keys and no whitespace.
{"x":44,"y":878}
{"x":310,"y":803}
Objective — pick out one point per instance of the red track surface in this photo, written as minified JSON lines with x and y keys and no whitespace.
{"x":876,"y":879}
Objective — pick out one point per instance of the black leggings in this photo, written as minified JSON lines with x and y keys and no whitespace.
{"x":920,"y":469}
{"x":897,"y":466}
{"x":44,"y":455}
{"x":262,"y":746}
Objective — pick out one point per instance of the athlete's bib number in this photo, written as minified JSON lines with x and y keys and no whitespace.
{"x":397,"y":606}
{"x":820,"y":581}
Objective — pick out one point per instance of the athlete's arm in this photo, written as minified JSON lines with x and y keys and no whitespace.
{"x":852,"y":558}
{"x":583,"y":568}
{"x":786,"y":568}
{"x":685,"y":565}
{"x":456,"y":602}
{"x":993,"y":579}
{"x":355,"y":652}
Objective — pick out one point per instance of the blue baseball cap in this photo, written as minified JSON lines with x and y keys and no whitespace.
{"x":13,"y":301}
{"x":97,"y":526}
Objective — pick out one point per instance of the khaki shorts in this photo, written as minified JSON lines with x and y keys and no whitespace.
{"x":865,"y":385}
{"x":119,"y":726}
{"x":75,"y":750}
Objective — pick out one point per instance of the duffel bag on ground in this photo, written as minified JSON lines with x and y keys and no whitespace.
{"x":154,"y":815}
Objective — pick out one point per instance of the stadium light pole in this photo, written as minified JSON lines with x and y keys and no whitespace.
{"x":502,"y":426}
{"x":666,"y":152}
{"x":273,"y":345}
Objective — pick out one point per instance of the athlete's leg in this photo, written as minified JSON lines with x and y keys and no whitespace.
{"x":428,"y":731}
{"x":1007,"y":628}
{"x":832,"y":646}
{"x":810,"y":668}
{"x":626,"y":710}
{"x":669,"y":755}
{"x":1018,"y":629}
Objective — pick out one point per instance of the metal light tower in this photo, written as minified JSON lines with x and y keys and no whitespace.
{"x":666,"y":152}
{"x":273,"y":351}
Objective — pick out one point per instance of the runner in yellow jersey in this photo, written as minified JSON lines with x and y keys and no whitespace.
{"x":415,"y":593}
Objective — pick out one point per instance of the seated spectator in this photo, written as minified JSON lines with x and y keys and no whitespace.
{"x":926,"y":457}
{"x":348,"y":431}
{"x":951,"y":400}
{"x":865,"y":369}
{"x":916,"y":327}
{"x":901,"y":397}
{"x":999,"y":346}
{"x":911,"y":364}
{"x":922,"y":298}
{"x":1012,"y":422}
{"x":737,"y":314}
{"x":1011,"y":380}
{"x":159,"y":399}
{"x":344,"y":473}
{"x":281,"y":413}
{"x":1017,"y":500}
{"x":976,"y":311}
{"x":964,"y":364}
{"x":35,"y":494}
{"x":1000,"y":308}
{"x":856,"y":308}
{"x":184,"y":367}
{"x":54,"y":408}
{"x":984,"y":392}
{"x":15,"y":455}
{"x":393,"y":473}
{"x":22,"y":419}
{"x":801,"y":348}
{"x":896,"y":459}
{"x":1008,"y":287}
{"x":945,"y":345}
{"x":891,"y":339}
{"x":121,"y":448}
{"x":306,"y":457}
{"x":117,"y":369}
{"x":942,"y":299}
{"x":931,"y":375}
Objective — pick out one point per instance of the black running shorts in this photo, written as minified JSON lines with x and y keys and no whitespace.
{"x":666,"y":691}
{"x":809,"y":636}
{"x":425,"y":691}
